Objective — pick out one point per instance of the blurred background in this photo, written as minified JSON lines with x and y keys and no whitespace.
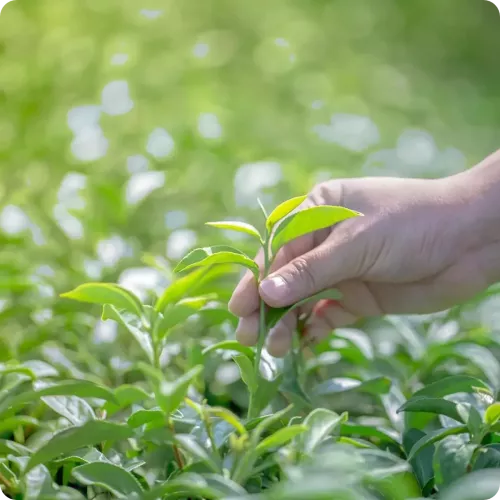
{"x":126,"y":124}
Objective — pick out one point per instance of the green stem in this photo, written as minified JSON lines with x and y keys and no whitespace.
{"x":252,"y":410}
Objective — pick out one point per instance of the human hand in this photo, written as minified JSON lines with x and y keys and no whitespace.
{"x":416,"y":250}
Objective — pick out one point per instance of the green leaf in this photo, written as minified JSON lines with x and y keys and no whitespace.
{"x":488,"y":457}
{"x":281,"y":437}
{"x":12,"y":423}
{"x":227,"y":416}
{"x":247,"y":372}
{"x":377,"y":385}
{"x":126,"y":395}
{"x":106,"y":293}
{"x":178,"y":313}
{"x":422,"y":461}
{"x":451,"y":459}
{"x":452,"y":385}
{"x":283,"y":210}
{"x":72,"y":438}
{"x":187,"y":285}
{"x":133,"y":325}
{"x":220,"y":254}
{"x":437,"y":406}
{"x":275,"y":314}
{"x":434,"y":437}
{"x":478,"y":485}
{"x":80,"y":388}
{"x":241,"y":227}
{"x":111,"y":477}
{"x":141,"y":417}
{"x":307,"y":221}
{"x":492,"y":415}
{"x":230,"y":345}
{"x":321,"y":423}
{"x":367,"y":431}
{"x":173,"y":393}
{"x":76,"y":410}
{"x":189,"y":444}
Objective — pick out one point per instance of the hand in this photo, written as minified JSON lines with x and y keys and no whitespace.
{"x":416,"y":250}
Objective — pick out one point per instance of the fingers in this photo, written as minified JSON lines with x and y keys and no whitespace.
{"x":247,"y":332}
{"x":344,"y":255}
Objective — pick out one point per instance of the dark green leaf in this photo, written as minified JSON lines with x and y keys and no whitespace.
{"x":88,"y":434}
{"x":307,"y":221}
{"x":76,"y":410}
{"x":422,"y":461}
{"x":106,"y":293}
{"x":134,"y":325}
{"x":434,"y":437}
{"x":111,"y":477}
{"x":367,"y":431}
{"x":488,"y":457}
{"x":451,"y":459}
{"x":282,"y":210}
{"x":220,"y":254}
{"x":377,"y":385}
{"x":195,"y":450}
{"x":437,"y":406}
{"x":452,"y":385}
{"x":241,"y":227}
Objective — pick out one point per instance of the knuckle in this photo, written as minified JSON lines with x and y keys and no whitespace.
{"x":303,"y":271}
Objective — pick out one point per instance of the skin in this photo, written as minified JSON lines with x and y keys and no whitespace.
{"x":422,"y":246}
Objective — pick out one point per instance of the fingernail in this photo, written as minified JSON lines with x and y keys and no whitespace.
{"x":274,"y":288}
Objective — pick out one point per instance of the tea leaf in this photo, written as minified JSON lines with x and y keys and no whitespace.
{"x":452,"y":385}
{"x":432,"y":405}
{"x":451,"y":459}
{"x":367,"y":431}
{"x":321,"y":423}
{"x":72,"y":438}
{"x":125,"y":396}
{"x":307,"y":221}
{"x":189,"y":444}
{"x":75,"y":410}
{"x":229,"y":417}
{"x":111,"y":477}
{"x":488,"y":457}
{"x":171,"y":394}
{"x":283,"y":210}
{"x":220,"y":254}
{"x":422,"y":461}
{"x":133,"y":325}
{"x":241,"y":227}
{"x":12,"y":423}
{"x":230,"y":345}
{"x":106,"y":293}
{"x":247,"y":372}
{"x":141,"y":417}
{"x":280,"y":437}
{"x":492,"y":415}
{"x":275,"y":314}
{"x":434,"y":437}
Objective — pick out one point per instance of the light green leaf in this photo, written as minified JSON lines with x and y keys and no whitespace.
{"x":72,"y":438}
{"x":171,"y":394}
{"x":76,"y":410}
{"x":230,"y":345}
{"x":241,"y":227}
{"x":247,"y":372}
{"x":275,"y":314}
{"x":434,"y":437}
{"x":106,"y":293}
{"x":367,"y":431}
{"x":451,"y":459}
{"x":437,"y":406}
{"x":133,"y":325}
{"x":492,"y":415}
{"x":12,"y":423}
{"x":220,"y":254}
{"x":321,"y":423}
{"x":283,"y":210}
{"x":377,"y":385}
{"x":189,"y":284}
{"x":307,"y":221}
{"x":126,"y":395}
{"x":478,"y":485}
{"x":452,"y":385}
{"x":228,"y":416}
{"x":281,"y":437}
{"x":111,"y":477}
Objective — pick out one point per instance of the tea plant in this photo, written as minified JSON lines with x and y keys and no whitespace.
{"x":352,"y":421}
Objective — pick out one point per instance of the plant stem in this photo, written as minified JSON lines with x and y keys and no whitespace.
{"x":177,"y":453}
{"x":262,"y":333}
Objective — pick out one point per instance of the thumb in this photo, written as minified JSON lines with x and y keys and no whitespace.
{"x":337,"y":259}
